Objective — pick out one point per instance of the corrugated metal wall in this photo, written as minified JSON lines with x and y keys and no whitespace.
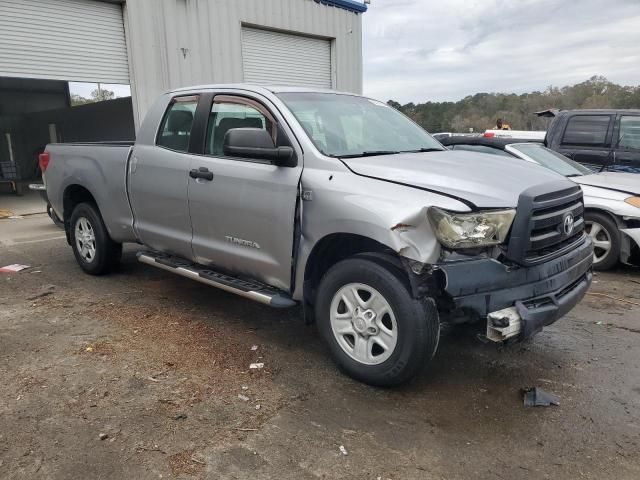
{"x":76,"y":40}
{"x":174,"y":43}
{"x":274,"y":58}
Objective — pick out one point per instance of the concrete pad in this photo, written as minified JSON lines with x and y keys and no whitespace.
{"x":28,"y":204}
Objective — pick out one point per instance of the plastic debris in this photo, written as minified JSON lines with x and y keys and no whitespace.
{"x":244,"y":387}
{"x":244,"y":398}
{"x":537,"y":397}
{"x":254,"y":348}
{"x":89,"y":349}
{"x":258,"y":407}
{"x":16,"y":267}
{"x":256,"y":366}
{"x":343,"y":450}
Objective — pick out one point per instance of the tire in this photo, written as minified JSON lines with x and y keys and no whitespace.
{"x":102,"y":253}
{"x":602,"y":229}
{"x":415,"y":323}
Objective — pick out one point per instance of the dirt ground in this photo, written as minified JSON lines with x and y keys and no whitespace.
{"x":142,"y":374}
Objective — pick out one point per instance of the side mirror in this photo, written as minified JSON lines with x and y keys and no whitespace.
{"x":257,"y":143}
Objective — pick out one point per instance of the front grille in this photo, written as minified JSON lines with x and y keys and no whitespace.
{"x":538,"y":233}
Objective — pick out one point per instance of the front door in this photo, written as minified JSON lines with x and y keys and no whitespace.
{"x":158,"y":182}
{"x":243,"y":216}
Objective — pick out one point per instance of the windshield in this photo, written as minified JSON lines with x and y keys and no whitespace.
{"x":348,"y":125}
{"x":552,"y":160}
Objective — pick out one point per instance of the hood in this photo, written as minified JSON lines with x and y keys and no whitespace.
{"x":485,"y":180}
{"x":619,"y":181}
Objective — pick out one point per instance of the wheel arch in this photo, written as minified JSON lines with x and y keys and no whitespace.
{"x":335,"y":247}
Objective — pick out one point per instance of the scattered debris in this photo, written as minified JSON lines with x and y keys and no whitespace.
{"x":606,"y":295}
{"x":44,"y":291}
{"x":13,"y":268}
{"x":343,"y":450}
{"x":89,"y":349}
{"x":103,"y":436}
{"x":247,"y":429}
{"x":258,"y":407}
{"x":244,"y":387}
{"x":16,"y":217}
{"x":196,"y":460}
{"x":537,"y":397}
{"x":180,"y":416}
{"x":599,"y":322}
{"x":244,"y":398}
{"x":254,"y":348}
{"x":256,"y":366}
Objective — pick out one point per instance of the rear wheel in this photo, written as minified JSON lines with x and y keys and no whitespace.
{"x":376,"y":331}
{"x":95,"y":251}
{"x":606,"y":240}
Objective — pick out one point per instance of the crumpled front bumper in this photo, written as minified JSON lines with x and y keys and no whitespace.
{"x":541,"y":293}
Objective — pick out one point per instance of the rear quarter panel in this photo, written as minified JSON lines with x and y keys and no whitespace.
{"x":102,"y":170}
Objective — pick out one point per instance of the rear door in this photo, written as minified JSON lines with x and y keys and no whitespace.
{"x":159,"y":181}
{"x":243,"y":217}
{"x":627,"y":151}
{"x":587,"y":139}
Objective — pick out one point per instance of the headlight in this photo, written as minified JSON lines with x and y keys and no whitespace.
{"x":635,"y":201}
{"x":468,"y":230}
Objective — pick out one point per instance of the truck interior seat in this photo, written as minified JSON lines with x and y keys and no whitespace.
{"x":226,"y":124}
{"x":178,"y":130}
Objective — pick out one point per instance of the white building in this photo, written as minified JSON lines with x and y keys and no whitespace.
{"x":153,"y":46}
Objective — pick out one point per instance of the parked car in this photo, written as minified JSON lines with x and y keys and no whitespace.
{"x":603,"y":140}
{"x":337,"y":202}
{"x":611,"y":199}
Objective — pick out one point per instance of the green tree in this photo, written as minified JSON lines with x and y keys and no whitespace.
{"x":480,"y":111}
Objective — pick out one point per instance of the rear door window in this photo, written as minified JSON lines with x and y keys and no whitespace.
{"x":175,"y":131}
{"x":587,"y":130}
{"x":629,"y":136}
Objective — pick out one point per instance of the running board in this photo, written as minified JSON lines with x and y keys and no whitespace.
{"x":245,"y":288}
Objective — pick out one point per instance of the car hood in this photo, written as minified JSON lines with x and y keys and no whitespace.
{"x":618,"y":181}
{"x":484,"y":180}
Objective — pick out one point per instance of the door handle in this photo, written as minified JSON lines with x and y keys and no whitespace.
{"x":202,"y":172}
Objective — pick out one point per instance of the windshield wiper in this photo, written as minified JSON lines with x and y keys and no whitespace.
{"x":372,"y":153}
{"x":424,"y":149}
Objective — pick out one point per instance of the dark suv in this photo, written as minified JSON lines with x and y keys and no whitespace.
{"x":603,"y":140}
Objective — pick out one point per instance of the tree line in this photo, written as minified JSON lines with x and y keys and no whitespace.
{"x":480,"y":111}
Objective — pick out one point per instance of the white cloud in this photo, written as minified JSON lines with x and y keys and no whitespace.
{"x":418,"y":50}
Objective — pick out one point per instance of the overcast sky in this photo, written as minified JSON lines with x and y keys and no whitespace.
{"x":418,"y":50}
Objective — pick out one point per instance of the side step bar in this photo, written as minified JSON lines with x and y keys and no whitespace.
{"x":250,"y":289}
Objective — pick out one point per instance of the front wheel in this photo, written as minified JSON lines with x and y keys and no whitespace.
{"x":376,"y":331}
{"x":95,"y":251}
{"x":606,"y":240}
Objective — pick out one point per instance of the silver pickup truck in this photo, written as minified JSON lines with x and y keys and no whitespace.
{"x":337,"y":203}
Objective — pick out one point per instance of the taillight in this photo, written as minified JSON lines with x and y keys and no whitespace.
{"x":489,"y":134}
{"x":43,"y":159}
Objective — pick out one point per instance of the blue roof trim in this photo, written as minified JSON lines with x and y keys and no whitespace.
{"x":352,"y":5}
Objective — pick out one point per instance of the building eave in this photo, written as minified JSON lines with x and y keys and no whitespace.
{"x":351,"y":5}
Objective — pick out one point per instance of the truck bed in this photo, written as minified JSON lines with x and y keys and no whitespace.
{"x":99,"y":167}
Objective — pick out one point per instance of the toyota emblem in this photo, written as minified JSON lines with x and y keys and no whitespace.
{"x":568,"y":224}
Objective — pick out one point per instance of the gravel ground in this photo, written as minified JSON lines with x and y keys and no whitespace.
{"x":142,"y":374}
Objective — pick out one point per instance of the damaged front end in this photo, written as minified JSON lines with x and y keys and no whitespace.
{"x":520,"y":272}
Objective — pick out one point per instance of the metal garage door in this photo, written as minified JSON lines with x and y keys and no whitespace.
{"x":273,"y":58}
{"x":78,"y":40}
